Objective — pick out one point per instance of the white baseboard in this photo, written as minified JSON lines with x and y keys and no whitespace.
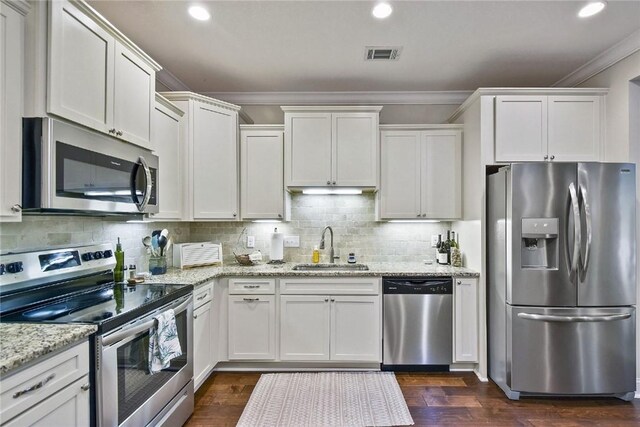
{"x":480,"y":377}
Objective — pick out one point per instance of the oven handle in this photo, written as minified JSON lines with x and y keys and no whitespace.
{"x":139,"y":327}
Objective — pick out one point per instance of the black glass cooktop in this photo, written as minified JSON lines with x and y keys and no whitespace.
{"x":105,"y":304}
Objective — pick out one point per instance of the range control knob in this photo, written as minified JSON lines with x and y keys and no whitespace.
{"x":14,"y":267}
{"x":97,"y":255}
{"x":2,"y":269}
{"x":87,"y":256}
{"x":107,"y":254}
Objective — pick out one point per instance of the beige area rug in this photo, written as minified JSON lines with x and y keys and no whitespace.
{"x":326,"y":399}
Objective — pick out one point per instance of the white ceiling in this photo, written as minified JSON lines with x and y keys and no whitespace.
{"x":267,"y":46}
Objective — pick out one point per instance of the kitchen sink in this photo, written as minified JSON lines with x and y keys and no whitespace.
{"x":339,"y":267}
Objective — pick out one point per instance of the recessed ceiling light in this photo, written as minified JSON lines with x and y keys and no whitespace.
{"x":199,"y":13}
{"x":592,"y":8}
{"x":382,"y":10}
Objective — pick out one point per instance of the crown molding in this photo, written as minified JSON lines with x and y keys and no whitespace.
{"x":455,"y":97}
{"x":331,"y":108}
{"x":275,"y":128}
{"x":161,"y":100}
{"x":606,"y":59}
{"x":168,"y":79}
{"x":21,"y":6}
{"x":191,"y":96}
{"x":417,"y":127}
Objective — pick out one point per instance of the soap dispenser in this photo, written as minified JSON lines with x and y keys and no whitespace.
{"x":316,"y":255}
{"x":118,"y":271}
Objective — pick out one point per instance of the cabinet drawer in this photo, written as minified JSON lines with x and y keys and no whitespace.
{"x":330,"y":286}
{"x":49,"y":376}
{"x":202,"y":295}
{"x":252,"y":286}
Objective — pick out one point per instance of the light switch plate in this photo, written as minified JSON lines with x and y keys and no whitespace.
{"x":434,"y":240}
{"x":291,"y":241}
{"x":251,"y":241}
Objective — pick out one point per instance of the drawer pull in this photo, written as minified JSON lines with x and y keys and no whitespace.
{"x":34,"y":387}
{"x":85,"y":387}
{"x":251,"y":286}
{"x":251,"y":299}
{"x":195,"y":316}
{"x":200,"y":298}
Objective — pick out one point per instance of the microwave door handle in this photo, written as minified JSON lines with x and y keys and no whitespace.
{"x":147,"y":193}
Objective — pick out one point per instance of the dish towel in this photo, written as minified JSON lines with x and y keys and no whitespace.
{"x":164,"y":344}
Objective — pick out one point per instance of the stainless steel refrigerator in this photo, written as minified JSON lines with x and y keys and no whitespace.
{"x":562,"y":279}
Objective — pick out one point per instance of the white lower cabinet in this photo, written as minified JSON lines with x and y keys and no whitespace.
{"x":252,"y":323}
{"x":465,"y":319}
{"x":335,"y":326}
{"x":52,"y":392}
{"x":204,"y":337}
{"x":68,"y":408}
{"x":304,"y":327}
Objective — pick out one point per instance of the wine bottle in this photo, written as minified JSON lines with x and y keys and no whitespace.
{"x":454,"y":244}
{"x":447,"y":245}
{"x":438,"y":248}
{"x":443,"y":253}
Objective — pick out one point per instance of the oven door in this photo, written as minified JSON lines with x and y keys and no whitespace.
{"x":87,"y":171}
{"x":127,"y":394}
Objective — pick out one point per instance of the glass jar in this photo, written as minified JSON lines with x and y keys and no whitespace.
{"x":157,"y":265}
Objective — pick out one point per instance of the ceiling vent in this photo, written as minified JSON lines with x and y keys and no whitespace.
{"x":382,"y":53}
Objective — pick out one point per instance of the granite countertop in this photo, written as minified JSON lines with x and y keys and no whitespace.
{"x":23,"y":342}
{"x":195,"y":276}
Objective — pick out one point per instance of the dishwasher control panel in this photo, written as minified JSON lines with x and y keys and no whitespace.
{"x":423,"y":286}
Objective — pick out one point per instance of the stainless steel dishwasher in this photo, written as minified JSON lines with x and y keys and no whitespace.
{"x":417,"y":323}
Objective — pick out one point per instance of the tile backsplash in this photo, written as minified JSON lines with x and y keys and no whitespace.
{"x":355,"y":230}
{"x":351,"y":217}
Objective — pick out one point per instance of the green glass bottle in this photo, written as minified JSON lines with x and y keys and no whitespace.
{"x":118,"y":271}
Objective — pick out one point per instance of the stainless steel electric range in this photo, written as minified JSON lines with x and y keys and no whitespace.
{"x":75,"y":285}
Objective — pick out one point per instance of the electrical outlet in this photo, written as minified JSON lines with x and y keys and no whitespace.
{"x":291,"y":241}
{"x":251,"y":241}
{"x":434,"y":240}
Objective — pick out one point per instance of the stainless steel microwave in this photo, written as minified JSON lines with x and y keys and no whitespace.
{"x":69,"y":169}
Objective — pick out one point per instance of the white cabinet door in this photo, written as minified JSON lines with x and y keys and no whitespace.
{"x":166,"y":144}
{"x":574,"y":128}
{"x":441,"y":174}
{"x":304,"y":327}
{"x":520,"y":128}
{"x":215,"y":162}
{"x":262,"y":174}
{"x":11,"y":111}
{"x":400,"y":175}
{"x":69,"y":408}
{"x":135,"y":88}
{"x":202,"y":344}
{"x":465,"y":328}
{"x":355,"y":328}
{"x":307,"y":149}
{"x":252,"y":322}
{"x":355,"y":149}
{"x":81,"y":74}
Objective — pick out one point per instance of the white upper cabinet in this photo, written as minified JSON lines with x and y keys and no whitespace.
{"x":135,"y":87}
{"x":547,"y":128}
{"x":166,"y":144}
{"x":331,"y":146}
{"x":96,"y":76}
{"x":209,"y":135}
{"x":421,"y":173}
{"x":262,"y":172}
{"x":11,"y":108}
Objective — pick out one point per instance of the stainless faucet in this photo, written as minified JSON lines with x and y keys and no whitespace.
{"x":332,"y":258}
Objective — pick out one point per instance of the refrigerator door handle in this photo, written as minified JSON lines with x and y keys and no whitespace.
{"x":577,"y":234}
{"x":552,"y":318}
{"x":587,"y":215}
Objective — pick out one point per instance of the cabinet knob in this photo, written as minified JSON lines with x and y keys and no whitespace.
{"x":195,"y":316}
{"x":418,"y":215}
{"x":553,"y":157}
{"x":119,"y":133}
{"x":546,"y":157}
{"x":326,"y":300}
{"x":235,"y":214}
{"x":16,"y":208}
{"x":459,"y":282}
{"x":328,"y":182}
{"x":424,"y":215}
{"x":333,"y":300}
{"x":112,"y":130}
{"x":334,"y":183}
{"x":279,"y":215}
{"x":85,"y":387}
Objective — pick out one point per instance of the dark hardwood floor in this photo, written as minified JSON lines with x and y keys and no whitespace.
{"x":436,"y":399}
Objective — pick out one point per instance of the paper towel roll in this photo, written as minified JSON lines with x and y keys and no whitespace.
{"x":277,"y":246}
